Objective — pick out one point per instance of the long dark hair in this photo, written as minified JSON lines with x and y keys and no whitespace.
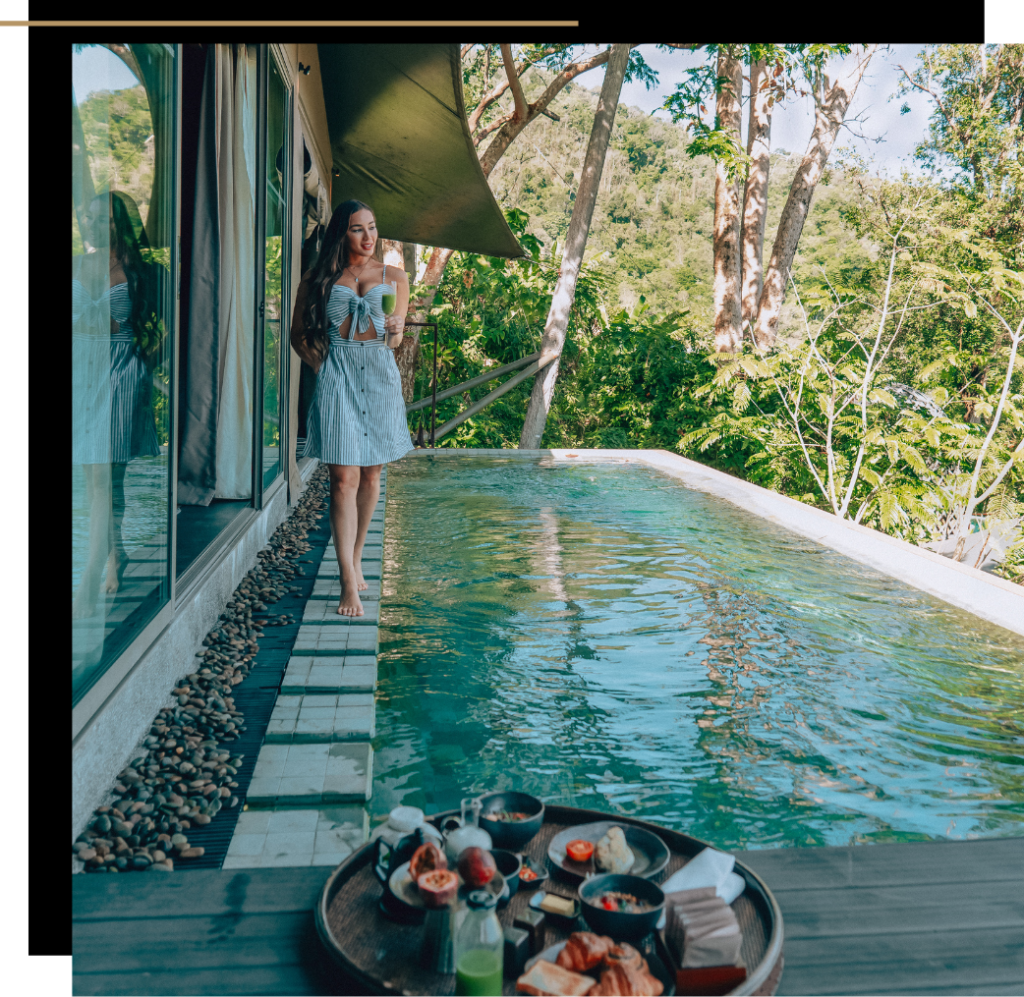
{"x":128,"y":236}
{"x":325,"y":272}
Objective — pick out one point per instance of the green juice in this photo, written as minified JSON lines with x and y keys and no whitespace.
{"x":478,"y":973}
{"x":387,"y":303}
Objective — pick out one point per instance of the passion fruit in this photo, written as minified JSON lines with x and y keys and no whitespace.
{"x":476,"y":866}
{"x":426,"y":858}
{"x":437,"y":887}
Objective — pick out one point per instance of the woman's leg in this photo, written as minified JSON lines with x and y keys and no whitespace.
{"x":97,"y":492}
{"x":118,"y":560}
{"x":344,"y":527}
{"x":366,"y":502}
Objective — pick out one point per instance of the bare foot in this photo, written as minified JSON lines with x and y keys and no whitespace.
{"x":116,"y":564}
{"x":361,"y":585}
{"x":350,"y":604}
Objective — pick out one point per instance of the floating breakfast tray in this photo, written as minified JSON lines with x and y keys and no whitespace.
{"x":383,"y":956}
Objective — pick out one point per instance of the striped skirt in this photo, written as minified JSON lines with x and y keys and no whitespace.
{"x":357,"y":415}
{"x":112,"y":418}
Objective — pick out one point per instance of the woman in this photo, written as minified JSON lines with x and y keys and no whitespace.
{"x":114,"y":338}
{"x":356,"y":420}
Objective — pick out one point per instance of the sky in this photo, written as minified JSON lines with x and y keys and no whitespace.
{"x":878,"y":117}
{"x":792,"y":122}
{"x":96,"y":68}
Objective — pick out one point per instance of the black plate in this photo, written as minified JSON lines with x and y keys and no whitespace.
{"x":654,"y":964}
{"x":650,"y":852}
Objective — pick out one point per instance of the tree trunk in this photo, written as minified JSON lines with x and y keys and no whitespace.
{"x":407,"y":355}
{"x":727,"y":209}
{"x":755,"y":197}
{"x":575,"y":243}
{"x":829,"y":114}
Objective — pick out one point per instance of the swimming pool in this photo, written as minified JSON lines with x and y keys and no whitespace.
{"x":604,"y":637}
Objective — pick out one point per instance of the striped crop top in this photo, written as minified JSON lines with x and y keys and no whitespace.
{"x":362,"y":309}
{"x":85,"y":311}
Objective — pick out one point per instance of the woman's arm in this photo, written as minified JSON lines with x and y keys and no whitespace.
{"x":298,"y":331}
{"x":394,"y":324}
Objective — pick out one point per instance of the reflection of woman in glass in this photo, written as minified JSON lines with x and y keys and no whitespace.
{"x":113,"y":418}
{"x":356,"y":421}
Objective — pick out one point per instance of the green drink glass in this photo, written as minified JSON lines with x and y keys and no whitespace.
{"x":389,"y":298}
{"x":478,"y":974}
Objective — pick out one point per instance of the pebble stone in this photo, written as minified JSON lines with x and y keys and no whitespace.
{"x":184,"y":772}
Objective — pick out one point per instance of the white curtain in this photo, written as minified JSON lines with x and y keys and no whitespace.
{"x":236,"y":180}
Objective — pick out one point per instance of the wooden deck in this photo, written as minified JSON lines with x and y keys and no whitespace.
{"x":927,"y":918}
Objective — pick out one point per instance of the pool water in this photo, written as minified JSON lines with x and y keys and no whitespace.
{"x":600,"y":636}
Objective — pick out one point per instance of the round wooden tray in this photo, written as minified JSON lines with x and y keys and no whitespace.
{"x":382,"y":956}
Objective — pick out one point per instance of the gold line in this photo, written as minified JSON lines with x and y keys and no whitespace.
{"x":289,"y":24}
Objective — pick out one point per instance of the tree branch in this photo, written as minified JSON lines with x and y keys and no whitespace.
{"x":521,"y":111}
{"x":510,"y":128}
{"x":499,"y":88}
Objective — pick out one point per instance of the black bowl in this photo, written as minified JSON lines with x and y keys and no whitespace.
{"x":617,"y":923}
{"x":511,"y":834}
{"x":509,"y":864}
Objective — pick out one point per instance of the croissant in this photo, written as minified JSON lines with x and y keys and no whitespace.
{"x":583,"y":950}
{"x":626,"y":981}
{"x":624,"y":955}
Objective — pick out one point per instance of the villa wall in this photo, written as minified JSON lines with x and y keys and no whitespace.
{"x":109,"y":740}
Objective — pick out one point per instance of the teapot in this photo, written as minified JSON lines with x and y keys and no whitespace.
{"x":465,"y":831}
{"x":388,"y":857}
{"x":402,"y":821}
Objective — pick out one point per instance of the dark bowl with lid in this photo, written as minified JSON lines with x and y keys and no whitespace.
{"x":512,"y":835}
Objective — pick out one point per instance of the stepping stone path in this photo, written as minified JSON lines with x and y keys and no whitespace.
{"x":315,"y":769}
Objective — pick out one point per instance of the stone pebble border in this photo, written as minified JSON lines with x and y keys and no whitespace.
{"x":184,"y":772}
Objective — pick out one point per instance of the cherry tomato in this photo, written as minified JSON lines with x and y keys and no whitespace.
{"x":579,"y":850}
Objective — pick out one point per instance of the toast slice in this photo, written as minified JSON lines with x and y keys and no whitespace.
{"x":550,"y":980}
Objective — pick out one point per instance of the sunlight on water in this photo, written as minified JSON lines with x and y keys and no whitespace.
{"x":600,"y":636}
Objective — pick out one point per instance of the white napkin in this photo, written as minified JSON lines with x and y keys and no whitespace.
{"x":709,"y":868}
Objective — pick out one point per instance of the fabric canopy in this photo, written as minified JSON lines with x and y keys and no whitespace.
{"x":400,"y":142}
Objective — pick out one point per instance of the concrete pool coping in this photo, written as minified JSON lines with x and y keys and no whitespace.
{"x":988,"y":596}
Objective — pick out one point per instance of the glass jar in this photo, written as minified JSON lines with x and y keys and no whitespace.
{"x":479,"y":947}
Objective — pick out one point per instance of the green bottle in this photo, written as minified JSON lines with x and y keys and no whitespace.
{"x":479,"y":948}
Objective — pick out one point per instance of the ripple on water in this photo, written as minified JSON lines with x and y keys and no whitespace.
{"x":603,"y":637}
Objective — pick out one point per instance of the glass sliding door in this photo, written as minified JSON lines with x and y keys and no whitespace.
{"x":123,"y":133}
{"x":278,"y":160}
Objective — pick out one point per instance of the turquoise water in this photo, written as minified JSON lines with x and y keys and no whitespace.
{"x":600,"y":636}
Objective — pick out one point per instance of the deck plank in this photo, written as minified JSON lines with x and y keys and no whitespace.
{"x":933,"y":962}
{"x":941,"y":918}
{"x":195,"y":892}
{"x":977,"y":861}
{"x":917,"y":918}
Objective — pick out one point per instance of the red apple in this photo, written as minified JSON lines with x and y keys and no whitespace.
{"x":476,"y":866}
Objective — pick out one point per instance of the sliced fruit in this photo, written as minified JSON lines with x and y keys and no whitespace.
{"x":438,"y":887}
{"x":579,"y":850}
{"x":426,"y":858}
